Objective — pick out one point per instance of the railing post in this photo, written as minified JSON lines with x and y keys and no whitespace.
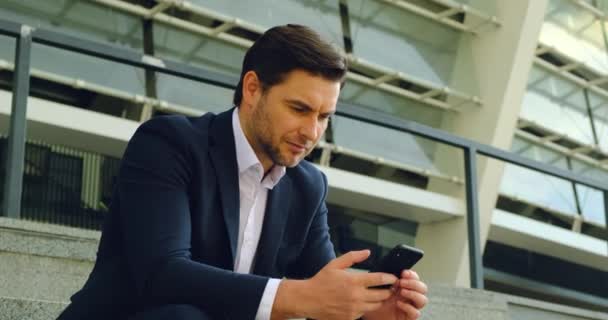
{"x":13,"y":184}
{"x":605,"y":192}
{"x":475,"y":263}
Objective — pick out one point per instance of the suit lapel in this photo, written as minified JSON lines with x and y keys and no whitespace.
{"x":275,"y":217}
{"x":223,"y":157}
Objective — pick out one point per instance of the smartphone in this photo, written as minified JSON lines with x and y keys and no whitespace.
{"x":395,"y":261}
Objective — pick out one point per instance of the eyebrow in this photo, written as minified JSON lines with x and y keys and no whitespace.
{"x":304,"y":105}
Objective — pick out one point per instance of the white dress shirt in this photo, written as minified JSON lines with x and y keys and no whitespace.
{"x":253,"y":193}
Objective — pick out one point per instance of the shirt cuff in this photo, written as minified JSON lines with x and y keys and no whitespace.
{"x":270,"y":292}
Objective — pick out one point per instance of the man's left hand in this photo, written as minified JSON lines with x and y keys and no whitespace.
{"x":408,"y":298}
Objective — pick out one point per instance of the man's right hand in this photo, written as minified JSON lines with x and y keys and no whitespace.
{"x":334,"y":292}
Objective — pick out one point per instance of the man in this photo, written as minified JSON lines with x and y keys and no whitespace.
{"x":210,"y":213}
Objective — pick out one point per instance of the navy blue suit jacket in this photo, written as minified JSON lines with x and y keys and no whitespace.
{"x":171,"y":234}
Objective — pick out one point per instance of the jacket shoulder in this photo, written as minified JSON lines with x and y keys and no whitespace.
{"x":178,"y":127}
{"x":307,"y":176}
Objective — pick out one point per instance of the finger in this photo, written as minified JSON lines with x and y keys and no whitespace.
{"x":410,"y":274}
{"x":373,"y":279}
{"x":414,"y":285}
{"x":412,"y":313}
{"x":348,"y":259}
{"x":416,"y":299}
{"x":377,"y":295}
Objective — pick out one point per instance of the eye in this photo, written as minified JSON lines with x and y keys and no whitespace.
{"x":297,"y":108}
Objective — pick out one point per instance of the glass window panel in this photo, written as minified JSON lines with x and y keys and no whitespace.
{"x":398,"y":106}
{"x":90,"y":69}
{"x":383,"y":142}
{"x":191,"y":48}
{"x":599,"y":108}
{"x":589,"y":171}
{"x":7,"y":52}
{"x":7,"y":48}
{"x":321,"y":15}
{"x":536,"y":187}
{"x":538,"y":153}
{"x":418,"y":46}
{"x":590,"y":199}
{"x":193,"y":94}
{"x":592,"y":204}
{"x":412,"y":149}
{"x":576,"y":32}
{"x":557,"y":104}
{"x":79,"y":18}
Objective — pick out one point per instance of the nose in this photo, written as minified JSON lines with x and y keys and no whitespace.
{"x":310,"y":129}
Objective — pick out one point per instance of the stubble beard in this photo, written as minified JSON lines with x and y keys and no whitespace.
{"x":262,"y":126}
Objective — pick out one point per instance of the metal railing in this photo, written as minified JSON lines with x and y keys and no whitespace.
{"x":26,"y":35}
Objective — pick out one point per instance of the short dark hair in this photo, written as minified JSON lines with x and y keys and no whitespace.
{"x":285,"y":48}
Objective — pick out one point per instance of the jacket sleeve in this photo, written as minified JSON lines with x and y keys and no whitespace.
{"x":318,"y":249}
{"x":156,"y":225}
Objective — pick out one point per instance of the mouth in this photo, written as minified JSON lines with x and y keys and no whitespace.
{"x":295,"y":147}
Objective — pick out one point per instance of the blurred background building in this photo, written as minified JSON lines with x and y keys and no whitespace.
{"x":530,"y":77}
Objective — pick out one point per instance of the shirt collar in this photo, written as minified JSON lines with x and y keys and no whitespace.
{"x":247,"y":159}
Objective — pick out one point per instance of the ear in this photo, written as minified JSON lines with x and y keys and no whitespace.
{"x":252,"y":90}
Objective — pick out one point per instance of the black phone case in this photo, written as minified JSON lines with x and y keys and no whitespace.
{"x":398,"y":259}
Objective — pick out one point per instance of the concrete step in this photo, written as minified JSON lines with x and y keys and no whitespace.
{"x":42,"y":265}
{"x":42,"y":261}
{"x":28,"y":309}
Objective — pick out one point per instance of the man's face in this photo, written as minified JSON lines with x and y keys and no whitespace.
{"x":290,"y":118}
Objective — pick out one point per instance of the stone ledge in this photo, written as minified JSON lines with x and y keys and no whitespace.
{"x":47,"y":228}
{"x":27,"y":309}
{"x":33,"y":238}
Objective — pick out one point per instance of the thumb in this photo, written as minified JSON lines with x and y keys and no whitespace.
{"x":348,"y":259}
